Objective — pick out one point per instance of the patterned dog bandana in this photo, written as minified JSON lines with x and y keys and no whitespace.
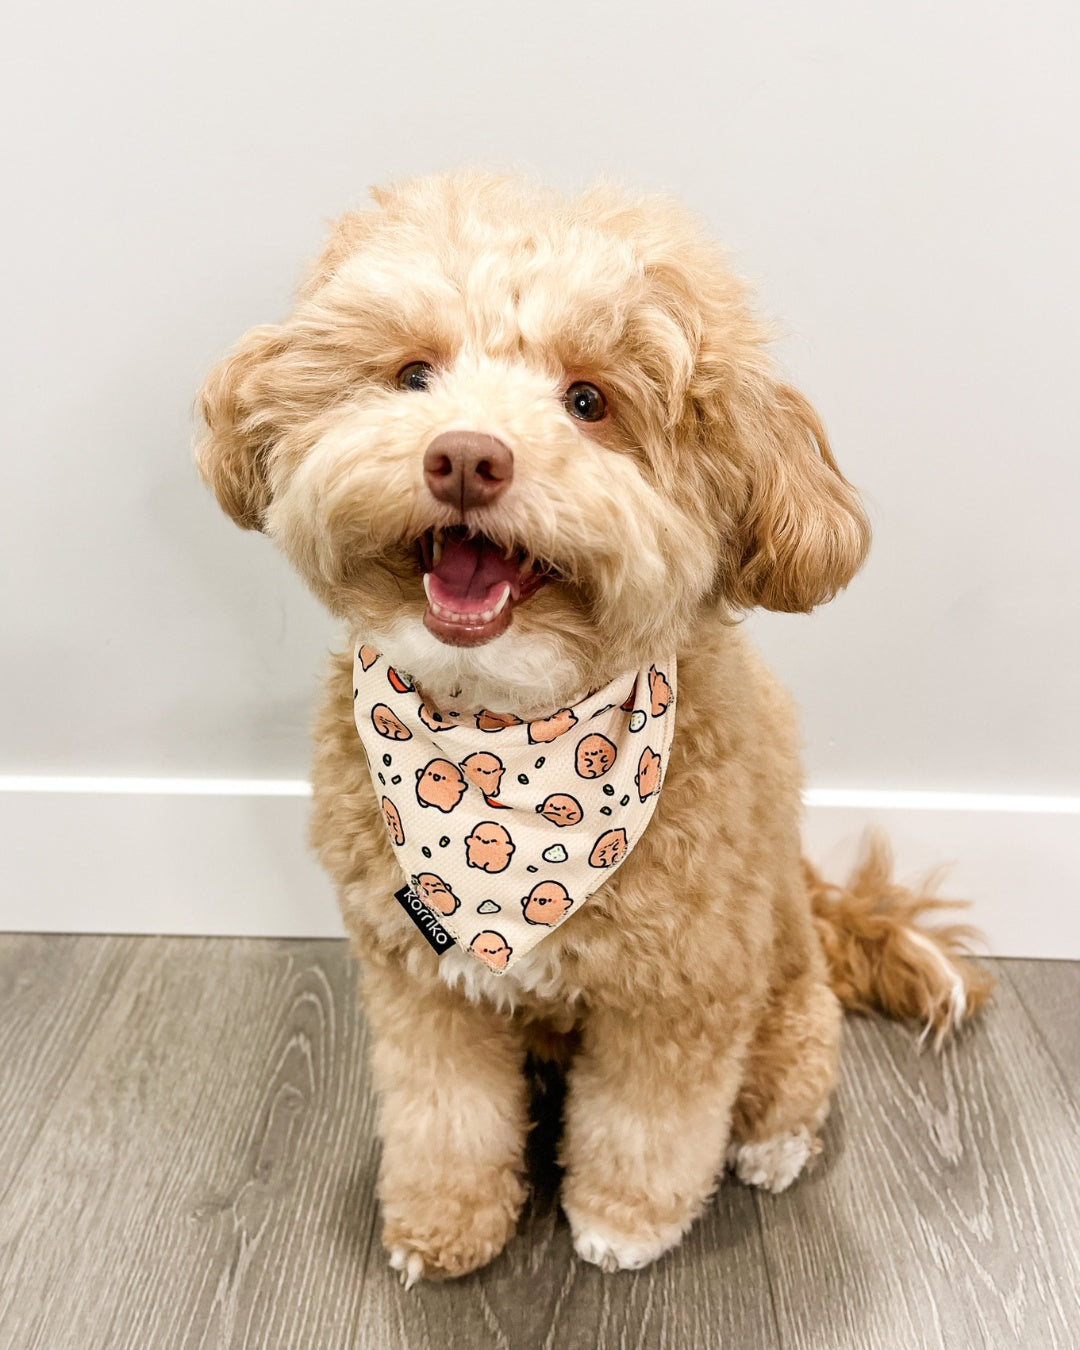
{"x":504,"y":828}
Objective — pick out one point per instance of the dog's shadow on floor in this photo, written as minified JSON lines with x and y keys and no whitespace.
{"x":547,"y":1085}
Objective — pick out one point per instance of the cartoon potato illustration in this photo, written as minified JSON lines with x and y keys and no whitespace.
{"x":546,"y":903}
{"x":435,"y":893}
{"x":439,"y":783}
{"x":491,"y":948}
{"x":485,"y":771}
{"x":609,"y":849}
{"x":386,"y":724}
{"x":489,"y":847}
{"x":402,"y":683}
{"x":368,"y":657}
{"x":561,"y":809}
{"x":437,"y":721}
{"x":489,"y":721}
{"x":659,"y":691}
{"x":393,"y":821}
{"x":549,"y":727}
{"x":647,"y":777}
{"x":595,"y":755}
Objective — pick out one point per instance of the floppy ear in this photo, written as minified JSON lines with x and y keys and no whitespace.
{"x":252,"y":386}
{"x":793,"y":531}
{"x":804,"y":533}
{"x":238,"y":433}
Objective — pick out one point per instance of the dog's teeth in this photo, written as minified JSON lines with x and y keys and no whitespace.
{"x":436,"y":546}
{"x":485,"y":616}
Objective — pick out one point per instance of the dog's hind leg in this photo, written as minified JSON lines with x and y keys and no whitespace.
{"x":789,"y":1076}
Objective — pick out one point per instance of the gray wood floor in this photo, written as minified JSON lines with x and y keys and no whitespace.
{"x":187,"y":1160}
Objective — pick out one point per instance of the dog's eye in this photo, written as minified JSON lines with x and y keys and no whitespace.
{"x":416,"y":375}
{"x":585,"y":402}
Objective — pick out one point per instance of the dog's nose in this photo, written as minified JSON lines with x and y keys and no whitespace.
{"x":467,"y":468}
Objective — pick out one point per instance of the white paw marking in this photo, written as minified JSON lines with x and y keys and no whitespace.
{"x":773,"y":1164}
{"x":612,"y":1252}
{"x":409,"y":1265}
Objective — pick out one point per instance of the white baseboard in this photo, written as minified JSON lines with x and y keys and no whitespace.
{"x":217,"y":856}
{"x":1018,"y":862}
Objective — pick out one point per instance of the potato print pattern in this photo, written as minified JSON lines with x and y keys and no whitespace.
{"x":435,"y":893}
{"x":504,"y":828}
{"x":386,"y":724}
{"x":440,"y":784}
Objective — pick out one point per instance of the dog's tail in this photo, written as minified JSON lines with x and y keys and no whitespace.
{"x":881,"y":959}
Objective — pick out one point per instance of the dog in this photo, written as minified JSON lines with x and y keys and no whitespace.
{"x":532,"y":451}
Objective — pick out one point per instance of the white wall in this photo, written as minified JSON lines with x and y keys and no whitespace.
{"x":902,"y":178}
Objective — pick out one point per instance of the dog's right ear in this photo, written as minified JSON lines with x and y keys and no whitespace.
{"x":238,"y":433}
{"x":237,"y":401}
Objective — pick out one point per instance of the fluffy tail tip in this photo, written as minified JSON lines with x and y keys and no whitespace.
{"x":881,"y":959}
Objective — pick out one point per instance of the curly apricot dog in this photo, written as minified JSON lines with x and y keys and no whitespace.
{"x":526,"y":448}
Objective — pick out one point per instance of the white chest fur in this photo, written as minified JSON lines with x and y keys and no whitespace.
{"x":537,"y":974}
{"x":525,"y":675}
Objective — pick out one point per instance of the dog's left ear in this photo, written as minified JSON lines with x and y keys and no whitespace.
{"x":801,"y":532}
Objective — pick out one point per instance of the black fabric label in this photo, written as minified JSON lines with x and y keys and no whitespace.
{"x":434,"y":933}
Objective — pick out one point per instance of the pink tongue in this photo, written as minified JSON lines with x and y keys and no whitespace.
{"x":470,"y":575}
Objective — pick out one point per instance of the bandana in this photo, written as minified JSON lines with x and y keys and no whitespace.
{"x":504,"y":828}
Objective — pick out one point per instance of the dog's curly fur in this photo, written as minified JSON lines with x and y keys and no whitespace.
{"x":692,"y":995}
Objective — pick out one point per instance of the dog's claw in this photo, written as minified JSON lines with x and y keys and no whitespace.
{"x":409,"y":1265}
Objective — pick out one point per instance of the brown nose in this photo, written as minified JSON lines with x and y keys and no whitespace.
{"x":467,"y":468}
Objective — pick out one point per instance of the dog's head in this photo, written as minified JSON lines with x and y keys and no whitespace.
{"x":521,"y":440}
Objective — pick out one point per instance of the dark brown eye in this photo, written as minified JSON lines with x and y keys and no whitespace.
{"x":585,"y":402}
{"x":416,"y":375}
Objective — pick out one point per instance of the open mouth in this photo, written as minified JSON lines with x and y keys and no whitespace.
{"x":473,"y":585}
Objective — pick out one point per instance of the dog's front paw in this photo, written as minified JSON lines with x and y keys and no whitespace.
{"x":628,"y":1246}
{"x":615,"y":1251}
{"x":439,"y":1234}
